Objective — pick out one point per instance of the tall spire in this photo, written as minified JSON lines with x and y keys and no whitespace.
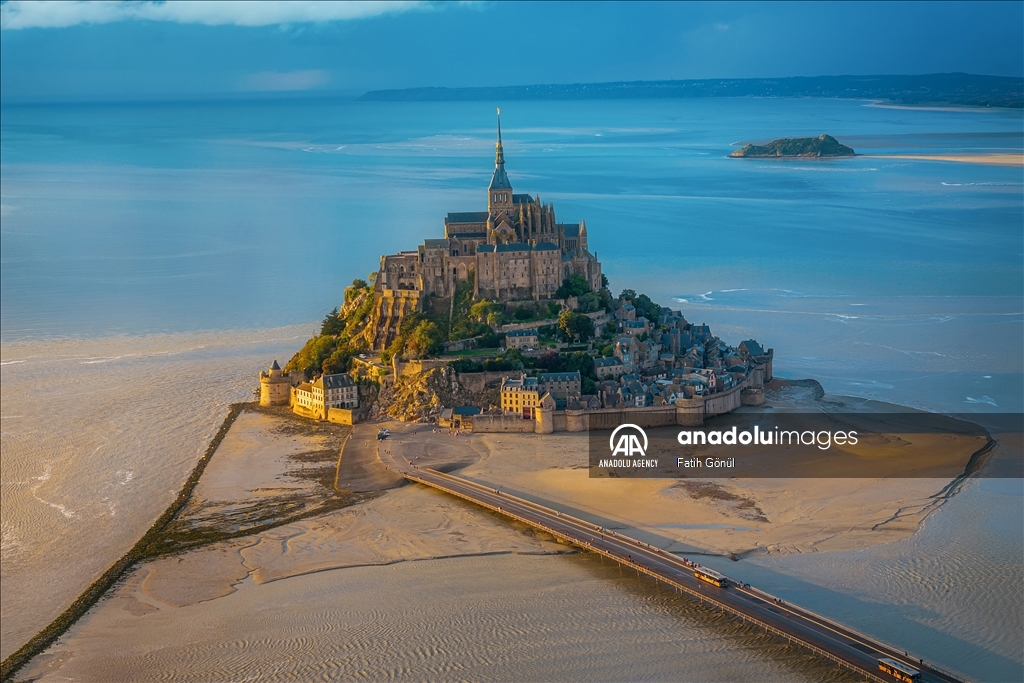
{"x":499,"y":181}
{"x":499,"y":153}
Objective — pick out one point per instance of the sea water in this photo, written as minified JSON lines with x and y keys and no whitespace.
{"x":131,"y":234}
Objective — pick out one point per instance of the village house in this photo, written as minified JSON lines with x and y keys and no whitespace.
{"x":520,"y":396}
{"x":635,"y":328}
{"x":561,"y":384}
{"x":315,"y":398}
{"x":522,"y":339}
{"x":605,"y":368}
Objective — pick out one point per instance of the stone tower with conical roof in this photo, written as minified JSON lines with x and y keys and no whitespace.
{"x":275,"y":386}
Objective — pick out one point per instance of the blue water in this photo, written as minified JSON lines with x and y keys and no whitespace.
{"x":889,"y":278}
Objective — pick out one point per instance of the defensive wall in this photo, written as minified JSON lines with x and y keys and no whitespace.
{"x":688,"y":412}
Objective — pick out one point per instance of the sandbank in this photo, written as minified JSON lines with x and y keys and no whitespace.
{"x":986,"y":159}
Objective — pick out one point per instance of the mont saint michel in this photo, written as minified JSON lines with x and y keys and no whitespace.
{"x":514,"y":250}
{"x":162,"y":520}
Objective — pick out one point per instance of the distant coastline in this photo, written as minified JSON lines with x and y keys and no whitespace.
{"x":929,"y":90}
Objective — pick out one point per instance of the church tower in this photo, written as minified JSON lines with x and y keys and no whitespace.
{"x":499,"y":192}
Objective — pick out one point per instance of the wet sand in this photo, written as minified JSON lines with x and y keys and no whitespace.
{"x":440,"y":571}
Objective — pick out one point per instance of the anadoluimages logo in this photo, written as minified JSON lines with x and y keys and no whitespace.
{"x":628,"y":443}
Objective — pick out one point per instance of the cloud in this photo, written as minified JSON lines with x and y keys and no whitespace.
{"x":288,"y":80}
{"x":16,"y":14}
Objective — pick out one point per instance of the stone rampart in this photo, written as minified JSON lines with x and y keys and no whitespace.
{"x":345,"y":416}
{"x":499,"y":424}
{"x":416,"y":367}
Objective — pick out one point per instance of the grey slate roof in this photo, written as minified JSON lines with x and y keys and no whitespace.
{"x":559,"y":376}
{"x":485,"y":248}
{"x":499,"y":181}
{"x":571,"y":229}
{"x":521,"y":333}
{"x":339,"y":381}
{"x":545,"y":246}
{"x":513,"y":247}
{"x":522,"y":199}
{"x":435,"y":244}
{"x":467,"y":217}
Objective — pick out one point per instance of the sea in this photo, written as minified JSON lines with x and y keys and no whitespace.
{"x":154,"y":257}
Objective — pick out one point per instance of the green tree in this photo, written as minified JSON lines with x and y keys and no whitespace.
{"x":607,"y":351}
{"x":589,"y":303}
{"x":604,"y":281}
{"x":581,"y":362}
{"x":424,"y":340}
{"x":627,"y":295}
{"x":576,"y":326}
{"x":339,"y":361}
{"x":523,"y":313}
{"x":645,"y":308}
{"x":333,"y":323}
{"x":589,"y":387}
{"x":576,"y":285}
{"x":514,"y":355}
{"x":482,"y":310}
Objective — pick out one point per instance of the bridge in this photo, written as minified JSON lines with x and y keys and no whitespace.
{"x":843,"y":646}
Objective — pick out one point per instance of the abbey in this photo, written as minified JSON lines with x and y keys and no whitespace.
{"x":516,"y":250}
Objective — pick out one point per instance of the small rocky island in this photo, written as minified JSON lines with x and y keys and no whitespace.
{"x":821,"y":146}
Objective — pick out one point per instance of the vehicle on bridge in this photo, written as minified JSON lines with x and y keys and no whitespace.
{"x":712,"y":577}
{"x":901,"y":672}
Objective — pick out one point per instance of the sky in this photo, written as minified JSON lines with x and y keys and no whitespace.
{"x":125,"y":51}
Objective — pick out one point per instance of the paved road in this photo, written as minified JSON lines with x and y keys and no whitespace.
{"x":844,"y":646}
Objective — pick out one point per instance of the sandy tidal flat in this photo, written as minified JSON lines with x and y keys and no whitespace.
{"x":411,"y":583}
{"x":984,"y":159}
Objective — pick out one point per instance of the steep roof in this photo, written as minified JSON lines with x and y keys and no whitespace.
{"x":499,"y":180}
{"x":339,"y":381}
{"x":467,"y":217}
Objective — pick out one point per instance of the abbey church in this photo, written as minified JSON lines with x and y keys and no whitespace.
{"x":515,"y":250}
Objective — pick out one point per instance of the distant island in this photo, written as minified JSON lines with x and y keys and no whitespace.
{"x":821,"y":146}
{"x":950,"y":89}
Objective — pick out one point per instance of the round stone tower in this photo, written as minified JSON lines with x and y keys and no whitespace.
{"x":275,"y":386}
